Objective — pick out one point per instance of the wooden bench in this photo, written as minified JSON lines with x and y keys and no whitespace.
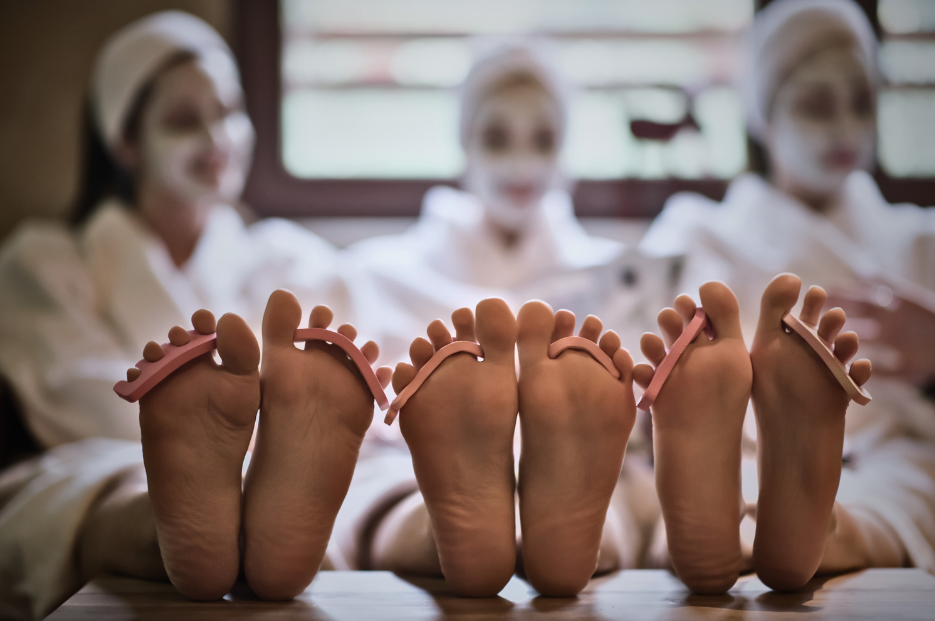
{"x":888,"y":594}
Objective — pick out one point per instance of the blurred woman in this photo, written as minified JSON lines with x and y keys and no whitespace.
{"x":510,"y":231}
{"x":811,"y":102}
{"x":157,"y":236}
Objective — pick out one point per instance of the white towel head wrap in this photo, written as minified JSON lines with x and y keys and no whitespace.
{"x":498,"y":67}
{"x":787,"y":32}
{"x":131,"y":56}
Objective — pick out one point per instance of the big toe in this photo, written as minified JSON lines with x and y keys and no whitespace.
{"x":237,"y":345}
{"x":780,"y":296}
{"x":496,"y":330}
{"x":721,"y":307}
{"x":536,"y":323}
{"x":283,"y":315}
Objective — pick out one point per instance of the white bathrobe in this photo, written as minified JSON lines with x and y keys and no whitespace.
{"x":76,"y":309}
{"x":451,"y":259}
{"x":758,"y":232}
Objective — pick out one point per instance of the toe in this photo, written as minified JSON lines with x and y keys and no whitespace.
{"x":845,"y":346}
{"x":686,"y":307}
{"x":438,"y":334}
{"x":346,"y":330}
{"x":237,"y":345}
{"x":496,"y":331}
{"x":371,"y":351}
{"x":320,"y":317}
{"x":402,"y":376}
{"x":203,"y":322}
{"x":652,"y":348}
{"x":132,"y":374}
{"x":564,"y":325}
{"x":152,"y":352}
{"x":420,"y":352}
{"x":178,"y":336}
{"x":831,"y":324}
{"x":643,"y":375}
{"x":860,"y":371}
{"x":779,"y":297}
{"x":463,"y":321}
{"x":384,"y":375}
{"x":720,"y":304}
{"x":591,"y":328}
{"x":624,"y":363}
{"x":536,"y":323}
{"x":610,"y":343}
{"x":811,"y":306}
{"x":670,"y":324}
{"x":283,"y":315}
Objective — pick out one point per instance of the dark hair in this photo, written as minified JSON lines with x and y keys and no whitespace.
{"x":758,"y":158}
{"x":101,"y":176}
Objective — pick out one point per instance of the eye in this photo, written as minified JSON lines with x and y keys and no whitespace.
{"x":182,"y":118}
{"x":817,"y":105}
{"x":496,"y":139}
{"x":544,"y":140}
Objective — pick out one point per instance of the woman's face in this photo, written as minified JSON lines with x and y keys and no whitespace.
{"x":512,"y":153}
{"x":823,"y":122}
{"x":195,"y":138}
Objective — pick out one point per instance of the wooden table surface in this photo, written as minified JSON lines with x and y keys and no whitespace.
{"x":887,"y":594}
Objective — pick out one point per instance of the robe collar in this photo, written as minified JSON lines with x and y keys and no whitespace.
{"x":459,"y":243}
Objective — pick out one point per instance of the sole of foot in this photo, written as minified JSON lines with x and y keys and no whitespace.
{"x":314,"y":413}
{"x":800,"y":409}
{"x":459,"y":427}
{"x":697,"y":431}
{"x":196,"y":426}
{"x":575,"y":420}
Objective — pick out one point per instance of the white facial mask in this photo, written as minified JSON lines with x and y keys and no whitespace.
{"x":512,"y":154}
{"x":822,"y":126}
{"x":197,"y":142}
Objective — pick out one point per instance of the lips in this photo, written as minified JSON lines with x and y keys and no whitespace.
{"x":840,"y":159}
{"x":210,"y":168}
{"x":521,"y":193}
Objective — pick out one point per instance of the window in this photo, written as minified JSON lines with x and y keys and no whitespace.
{"x":355,"y":101}
{"x":369,"y":87}
{"x":907,"y":99}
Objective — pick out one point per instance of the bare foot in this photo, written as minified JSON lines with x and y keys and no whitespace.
{"x":697,"y":430}
{"x":799,"y":409}
{"x":575,"y":420}
{"x":459,"y":427}
{"x":196,"y":426}
{"x":315,"y":411}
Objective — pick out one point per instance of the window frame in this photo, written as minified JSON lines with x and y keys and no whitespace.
{"x":272,"y":191}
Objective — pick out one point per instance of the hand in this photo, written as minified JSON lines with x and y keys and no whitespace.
{"x":896,"y":325}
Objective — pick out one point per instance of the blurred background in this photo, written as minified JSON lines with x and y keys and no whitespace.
{"x":355,"y":101}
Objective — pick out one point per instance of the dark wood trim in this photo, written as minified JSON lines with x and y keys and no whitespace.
{"x":272,"y":191}
{"x":637,"y":198}
{"x":919,"y":191}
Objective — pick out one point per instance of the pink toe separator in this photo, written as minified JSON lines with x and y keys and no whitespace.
{"x":154,"y":372}
{"x":571,"y":342}
{"x":406,"y":393}
{"x":173,"y":357}
{"x":824,"y":350}
{"x":698,"y":323}
{"x":589,"y":347}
